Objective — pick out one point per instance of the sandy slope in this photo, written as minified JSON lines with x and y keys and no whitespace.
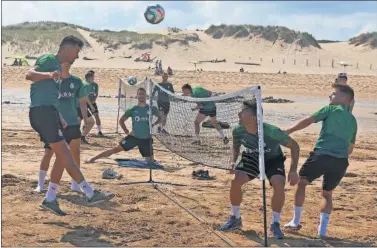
{"x":241,"y":50}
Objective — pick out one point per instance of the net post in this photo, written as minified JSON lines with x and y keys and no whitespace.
{"x":262,"y":170}
{"x":148,"y":85}
{"x":119,"y":95}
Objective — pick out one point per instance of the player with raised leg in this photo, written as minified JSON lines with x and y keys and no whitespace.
{"x":140,"y":136}
{"x":163,"y":101}
{"x":45,"y":120}
{"x":330,"y":155}
{"x":72,"y":92}
{"x":246,"y":134}
{"x":205,"y":109}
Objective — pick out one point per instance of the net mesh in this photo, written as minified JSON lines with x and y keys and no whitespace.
{"x":179,"y":132}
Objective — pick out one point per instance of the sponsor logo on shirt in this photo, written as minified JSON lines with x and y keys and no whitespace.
{"x":72,"y":86}
{"x":66,"y":95}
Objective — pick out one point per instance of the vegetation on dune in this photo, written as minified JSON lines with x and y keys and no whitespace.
{"x":328,"y":41}
{"x":365,"y":39}
{"x":38,"y":37}
{"x":270,"y":33}
{"x":114,"y":40}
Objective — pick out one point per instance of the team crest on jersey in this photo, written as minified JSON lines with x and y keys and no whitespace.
{"x":72,"y":86}
{"x":60,"y":133}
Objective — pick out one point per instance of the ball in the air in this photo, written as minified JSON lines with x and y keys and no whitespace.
{"x":154,"y":14}
{"x":132,"y":80}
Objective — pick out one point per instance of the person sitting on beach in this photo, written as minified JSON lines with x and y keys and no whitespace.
{"x":170,"y":71}
{"x":342,"y":79}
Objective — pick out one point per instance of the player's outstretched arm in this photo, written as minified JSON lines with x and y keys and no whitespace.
{"x":320,"y":115}
{"x":293,"y":177}
{"x":301,"y":125}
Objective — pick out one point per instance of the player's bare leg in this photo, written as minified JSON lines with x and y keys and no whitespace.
{"x":235,"y":221}
{"x":98,"y":122}
{"x":106,"y":154}
{"x":199,"y":119}
{"x":43,"y":168}
{"x":74,"y":146}
{"x":294,"y":224}
{"x":87,"y":128}
{"x":326,"y":208}
{"x":214,"y":123}
{"x":64,"y":160}
{"x":277,"y":203}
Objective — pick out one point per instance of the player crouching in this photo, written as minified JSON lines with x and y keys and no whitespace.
{"x":246,"y":134}
{"x":140,"y":135}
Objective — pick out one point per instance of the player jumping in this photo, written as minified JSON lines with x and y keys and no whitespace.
{"x":205,"y":109}
{"x":46,"y":120}
{"x":140,"y":136}
{"x":330,"y":155}
{"x":246,"y":134}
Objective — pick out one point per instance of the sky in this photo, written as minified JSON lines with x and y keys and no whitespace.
{"x":333,"y":20}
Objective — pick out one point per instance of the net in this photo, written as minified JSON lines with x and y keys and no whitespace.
{"x":178,"y":135}
{"x":127,"y":95}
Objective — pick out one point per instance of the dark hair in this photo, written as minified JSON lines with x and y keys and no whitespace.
{"x":251,"y":106}
{"x":72,"y":40}
{"x":88,"y":75}
{"x":345,"y":89}
{"x":141,"y":89}
{"x":187,"y":86}
{"x":91,"y":71}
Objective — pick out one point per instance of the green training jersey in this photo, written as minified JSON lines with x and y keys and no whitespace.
{"x":93,"y":92}
{"x":71,"y":90}
{"x":273,"y":138}
{"x":140,"y":120}
{"x":45,"y":92}
{"x":199,"y":92}
{"x":162,"y":96}
{"x":339,"y":129}
{"x":88,"y":90}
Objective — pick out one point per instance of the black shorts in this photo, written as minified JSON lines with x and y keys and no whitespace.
{"x":95,"y":108}
{"x":164,"y":107}
{"x":250,"y":165}
{"x":145,"y":145}
{"x":210,"y":113}
{"x":89,"y":113}
{"x":331,"y":168}
{"x":45,"y":121}
{"x":70,"y":133}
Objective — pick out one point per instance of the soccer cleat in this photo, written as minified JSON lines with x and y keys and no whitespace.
{"x":225,"y":140}
{"x":99,"y":197}
{"x":276,"y":231}
{"x":84,"y":141}
{"x":232,"y":224}
{"x":53,"y":207}
{"x":100,"y":134}
{"x":163,"y":131}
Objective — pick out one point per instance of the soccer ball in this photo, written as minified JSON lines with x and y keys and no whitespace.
{"x":154,"y":14}
{"x":132,"y":80}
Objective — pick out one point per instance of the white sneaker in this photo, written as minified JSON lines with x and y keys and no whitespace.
{"x":38,"y":189}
